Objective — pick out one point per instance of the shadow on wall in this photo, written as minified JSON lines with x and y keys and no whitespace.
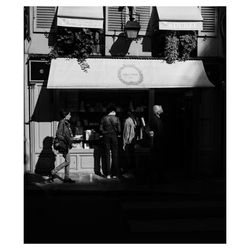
{"x":147,"y":39}
{"x":45,"y":109}
{"x":46,"y":161}
{"x":121,"y":46}
{"x":51,"y":35}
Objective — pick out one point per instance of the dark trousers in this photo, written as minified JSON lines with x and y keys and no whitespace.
{"x":130,"y":156}
{"x":111,"y":143}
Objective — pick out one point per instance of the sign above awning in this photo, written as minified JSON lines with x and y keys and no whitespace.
{"x":179,"y":18}
{"x":126,"y":74}
{"x":80,"y":17}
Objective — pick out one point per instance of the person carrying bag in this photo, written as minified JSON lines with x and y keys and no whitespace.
{"x":63,"y":143}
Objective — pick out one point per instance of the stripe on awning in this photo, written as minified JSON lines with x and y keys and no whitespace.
{"x":80,"y":17}
{"x":126,"y":74}
{"x":179,"y":18}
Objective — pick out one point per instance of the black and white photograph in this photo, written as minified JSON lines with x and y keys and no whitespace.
{"x":124,"y":124}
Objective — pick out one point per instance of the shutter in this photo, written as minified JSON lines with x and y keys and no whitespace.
{"x":209,"y":19}
{"x":144,"y":16}
{"x":43,"y":18}
{"x":116,"y":18}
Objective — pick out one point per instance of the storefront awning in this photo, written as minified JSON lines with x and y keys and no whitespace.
{"x":126,"y":74}
{"x":179,"y":18}
{"x":80,"y":17}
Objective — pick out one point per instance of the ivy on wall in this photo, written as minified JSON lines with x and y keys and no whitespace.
{"x":178,"y":46}
{"x":81,"y":43}
{"x":75,"y":43}
{"x":188,"y":43}
{"x":175,"y":45}
{"x":171,"y":51}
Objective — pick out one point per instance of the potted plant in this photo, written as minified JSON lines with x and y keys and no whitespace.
{"x":178,"y":46}
{"x":171,"y":51}
{"x":188,"y":43}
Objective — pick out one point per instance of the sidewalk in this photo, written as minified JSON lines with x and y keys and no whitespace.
{"x":99,"y":210}
{"x":95,"y":183}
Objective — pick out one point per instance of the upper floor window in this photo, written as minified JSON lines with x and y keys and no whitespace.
{"x":209,"y":15}
{"x":117,"y":16}
{"x":45,"y":21}
{"x":44,"y":18}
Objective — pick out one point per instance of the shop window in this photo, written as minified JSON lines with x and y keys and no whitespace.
{"x":89,"y":106}
{"x":44,"y":17}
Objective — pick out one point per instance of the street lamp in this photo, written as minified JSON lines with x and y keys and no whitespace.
{"x":132,"y":27}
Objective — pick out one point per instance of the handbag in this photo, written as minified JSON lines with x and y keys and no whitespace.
{"x":60,"y":144}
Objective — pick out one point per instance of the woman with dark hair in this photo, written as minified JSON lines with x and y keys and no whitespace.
{"x":65,"y":136}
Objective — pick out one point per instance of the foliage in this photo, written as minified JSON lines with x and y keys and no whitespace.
{"x":179,"y":47}
{"x":188,"y":44}
{"x":171,"y":48}
{"x":74,"y":43}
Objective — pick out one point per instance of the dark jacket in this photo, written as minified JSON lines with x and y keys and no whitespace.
{"x":110,"y":124}
{"x":64,"y":132}
{"x":156,"y":125}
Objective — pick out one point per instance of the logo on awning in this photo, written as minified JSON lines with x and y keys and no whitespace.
{"x":130,"y":75}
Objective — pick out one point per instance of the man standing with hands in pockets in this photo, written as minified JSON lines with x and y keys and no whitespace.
{"x":110,"y":128}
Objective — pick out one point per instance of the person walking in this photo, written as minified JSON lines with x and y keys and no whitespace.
{"x":64,"y":137}
{"x":129,"y":140}
{"x":110,"y":128}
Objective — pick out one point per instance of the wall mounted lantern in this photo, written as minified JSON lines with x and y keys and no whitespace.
{"x":132,"y":27}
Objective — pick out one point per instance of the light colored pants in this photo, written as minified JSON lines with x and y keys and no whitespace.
{"x":65,"y":165}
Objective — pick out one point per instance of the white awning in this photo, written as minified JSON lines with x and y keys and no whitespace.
{"x":180,"y":18}
{"x":126,"y":74}
{"x":80,"y":17}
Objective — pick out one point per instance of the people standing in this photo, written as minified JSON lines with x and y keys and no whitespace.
{"x":156,"y":132}
{"x":110,"y":128}
{"x":129,"y":140}
{"x":65,"y":138}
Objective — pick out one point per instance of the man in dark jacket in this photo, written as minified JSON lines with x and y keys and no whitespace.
{"x":156,"y":128}
{"x":156,"y":131}
{"x":110,"y":127}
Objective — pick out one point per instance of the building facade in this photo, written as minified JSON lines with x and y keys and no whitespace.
{"x":129,"y":73}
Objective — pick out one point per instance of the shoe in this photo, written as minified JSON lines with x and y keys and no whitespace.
{"x":114,"y":177}
{"x":108,"y":177}
{"x":68,"y":180}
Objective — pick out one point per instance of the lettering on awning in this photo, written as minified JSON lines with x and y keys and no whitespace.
{"x":130,"y":75}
